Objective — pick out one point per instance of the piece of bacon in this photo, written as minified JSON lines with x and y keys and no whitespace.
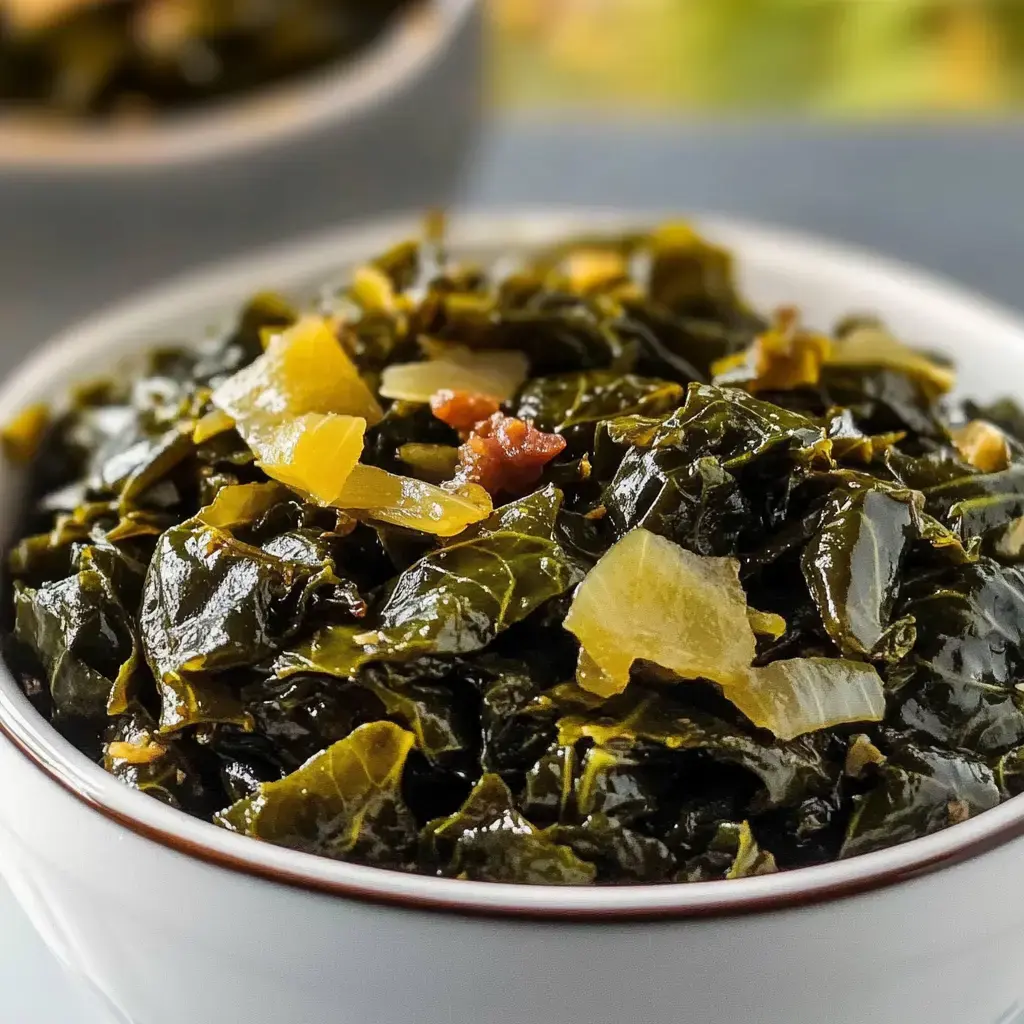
{"x":505,"y":454}
{"x":463,"y":410}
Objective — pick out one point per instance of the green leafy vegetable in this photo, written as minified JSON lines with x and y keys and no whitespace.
{"x":967,"y":658}
{"x":489,"y":840}
{"x":920,"y":790}
{"x":735,"y":428}
{"x":786,"y":771}
{"x":212,"y":603}
{"x":572,"y":400}
{"x":153,"y":765}
{"x":83,"y":635}
{"x":759,"y":603}
{"x":342,"y":799}
{"x":458,"y":599}
{"x":852,"y":565}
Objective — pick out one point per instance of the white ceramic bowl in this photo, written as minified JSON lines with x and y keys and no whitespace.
{"x":170,"y":919}
{"x":103,"y":208}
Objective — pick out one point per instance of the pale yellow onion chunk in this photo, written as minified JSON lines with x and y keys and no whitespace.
{"x":802,"y":695}
{"x":983,"y":446}
{"x":497,"y":374}
{"x":213,"y":423}
{"x":304,"y":370}
{"x":649,"y":598}
{"x":313,"y":454}
{"x":872,"y":346}
{"x":590,"y":268}
{"x":403,"y":501}
{"x":766,"y":623}
{"x":373,"y":290}
{"x":238,"y":504}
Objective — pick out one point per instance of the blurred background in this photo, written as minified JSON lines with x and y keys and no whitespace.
{"x":880,"y":58}
{"x":893,"y":124}
{"x":896,"y":124}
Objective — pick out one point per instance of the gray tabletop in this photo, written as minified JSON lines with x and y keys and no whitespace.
{"x":948,"y":198}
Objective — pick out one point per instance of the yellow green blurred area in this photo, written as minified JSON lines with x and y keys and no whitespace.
{"x":817,"y":56}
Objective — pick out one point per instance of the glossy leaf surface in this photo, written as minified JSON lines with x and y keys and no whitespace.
{"x":337,"y":801}
{"x":852,"y":565}
{"x":751,"y":598}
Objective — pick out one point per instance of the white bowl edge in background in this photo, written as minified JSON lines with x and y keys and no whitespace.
{"x":108,"y":211}
{"x":270,"y":115}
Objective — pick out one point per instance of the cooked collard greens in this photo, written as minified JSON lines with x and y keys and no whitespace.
{"x":95,"y":58}
{"x":579,"y":571}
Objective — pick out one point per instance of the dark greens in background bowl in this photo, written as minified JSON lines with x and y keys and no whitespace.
{"x":103,"y":58}
{"x":568,"y":568}
{"x":107,"y":205}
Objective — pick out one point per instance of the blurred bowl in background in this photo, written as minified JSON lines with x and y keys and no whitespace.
{"x":90,"y":210}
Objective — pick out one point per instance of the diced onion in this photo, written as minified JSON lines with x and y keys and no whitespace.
{"x":213,"y":423}
{"x":983,"y":446}
{"x":403,"y":501}
{"x":802,"y":695}
{"x":313,"y":454}
{"x":304,"y":370}
{"x":496,"y":374}
{"x":872,"y":346}
{"x":649,"y":598}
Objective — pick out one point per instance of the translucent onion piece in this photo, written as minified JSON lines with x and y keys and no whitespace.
{"x":802,"y":695}
{"x":372,"y":289}
{"x":238,"y":504}
{"x":766,"y":623}
{"x":983,"y":446}
{"x":497,"y":374}
{"x":782,"y":358}
{"x":304,"y":370}
{"x":415,"y":504}
{"x":165,"y":30}
{"x":591,"y":268}
{"x":649,"y":598}
{"x":872,"y":346}
{"x":212,"y":424}
{"x":145,"y":751}
{"x":313,"y":454}
{"x":22,"y":437}
{"x":861,"y":753}
{"x":592,"y":678}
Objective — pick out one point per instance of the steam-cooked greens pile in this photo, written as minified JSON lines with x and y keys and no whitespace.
{"x":95,"y":57}
{"x":577,"y":572}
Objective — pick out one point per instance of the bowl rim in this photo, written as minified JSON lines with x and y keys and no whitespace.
{"x":219,"y":289}
{"x":259,"y":118}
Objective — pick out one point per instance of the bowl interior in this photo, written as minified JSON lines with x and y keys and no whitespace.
{"x":775,"y":268}
{"x":273,"y":114}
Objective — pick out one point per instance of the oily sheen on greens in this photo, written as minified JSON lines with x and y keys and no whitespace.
{"x":574,"y":571}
